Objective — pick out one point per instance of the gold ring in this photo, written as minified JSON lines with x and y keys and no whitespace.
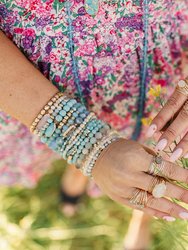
{"x":139,"y":198}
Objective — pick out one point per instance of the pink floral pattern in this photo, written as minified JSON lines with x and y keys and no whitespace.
{"x":107,"y":49}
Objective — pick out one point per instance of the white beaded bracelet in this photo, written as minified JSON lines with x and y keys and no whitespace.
{"x":93,"y":156}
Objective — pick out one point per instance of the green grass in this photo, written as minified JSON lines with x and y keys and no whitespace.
{"x":31,"y":220}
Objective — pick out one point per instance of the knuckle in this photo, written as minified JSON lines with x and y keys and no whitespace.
{"x":171,"y":210}
{"x":184,"y":143}
{"x":183,"y":114}
{"x":182,"y":195}
{"x":160,"y":119}
{"x":170,"y":133}
{"x":151,"y":201}
{"x":172,"y":103}
{"x":171,"y":172}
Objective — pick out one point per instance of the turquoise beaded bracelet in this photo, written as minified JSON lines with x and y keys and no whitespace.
{"x":73,"y":132}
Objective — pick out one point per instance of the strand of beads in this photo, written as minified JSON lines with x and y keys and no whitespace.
{"x":90,"y":161}
{"x":70,"y":130}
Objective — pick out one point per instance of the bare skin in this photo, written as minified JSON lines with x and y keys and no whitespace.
{"x":21,"y":84}
{"x":121,"y":168}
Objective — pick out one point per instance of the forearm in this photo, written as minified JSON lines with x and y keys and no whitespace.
{"x":23,"y":89}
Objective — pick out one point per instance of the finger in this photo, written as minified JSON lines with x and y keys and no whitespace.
{"x":172,"y":190}
{"x":171,"y":171}
{"x":177,"y":128}
{"x":158,"y":214}
{"x":150,"y":211}
{"x":181,"y":149}
{"x":172,"y":106}
{"x":167,"y":206}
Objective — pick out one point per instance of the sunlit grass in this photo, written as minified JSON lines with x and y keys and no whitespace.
{"x":32,"y":220}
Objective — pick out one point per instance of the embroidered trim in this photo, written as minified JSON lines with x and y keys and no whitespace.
{"x":143,"y":73}
{"x":71,"y":47}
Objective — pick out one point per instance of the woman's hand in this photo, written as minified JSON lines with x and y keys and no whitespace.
{"x":173,"y":120}
{"x":123,"y":167}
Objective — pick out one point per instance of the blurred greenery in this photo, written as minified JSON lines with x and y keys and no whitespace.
{"x":30,"y":219}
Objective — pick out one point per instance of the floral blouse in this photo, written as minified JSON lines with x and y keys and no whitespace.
{"x":94,"y":57}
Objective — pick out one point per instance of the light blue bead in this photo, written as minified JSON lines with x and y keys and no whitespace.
{"x":91,"y":135}
{"x":43,"y":139}
{"x":88,"y":145}
{"x":65,"y":127}
{"x":83,"y":115}
{"x":59,"y":140}
{"x":74,"y":159}
{"x":86,"y":139}
{"x":58,"y":131}
{"x":93,"y":140}
{"x":50,"y":130}
{"x":49,"y":120}
{"x":58,"y":118}
{"x":71,"y":102}
{"x":66,"y":108}
{"x":79,"y":120}
{"x":75,"y":114}
{"x":78,"y":105}
{"x":70,"y":121}
{"x":81,"y":109}
{"x":63,"y":113}
{"x":52,"y":145}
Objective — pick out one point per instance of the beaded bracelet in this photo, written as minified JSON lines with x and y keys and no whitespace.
{"x":44,"y":111}
{"x":97,"y":150}
{"x":73,"y":132}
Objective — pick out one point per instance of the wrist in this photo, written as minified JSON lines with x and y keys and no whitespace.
{"x":106,"y":154}
{"x":75,"y":133}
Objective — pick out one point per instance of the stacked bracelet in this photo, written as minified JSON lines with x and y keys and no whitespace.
{"x":73,"y":132}
{"x":94,"y":155}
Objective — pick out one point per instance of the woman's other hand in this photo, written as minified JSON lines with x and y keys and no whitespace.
{"x":173,"y":121}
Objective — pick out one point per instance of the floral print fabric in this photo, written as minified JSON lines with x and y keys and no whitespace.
{"x":99,"y":55}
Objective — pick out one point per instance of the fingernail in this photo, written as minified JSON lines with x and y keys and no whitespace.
{"x":186,"y":156}
{"x":169,"y":218}
{"x":161,"y":144}
{"x":176,"y":154}
{"x":183,"y":215}
{"x":151,"y":130}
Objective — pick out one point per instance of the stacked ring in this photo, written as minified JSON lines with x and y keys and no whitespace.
{"x":139,"y":198}
{"x":157,"y":166}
